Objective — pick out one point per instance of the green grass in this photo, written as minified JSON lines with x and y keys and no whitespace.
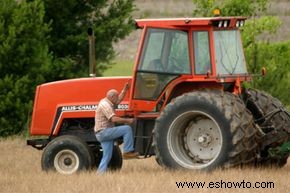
{"x":120,"y":68}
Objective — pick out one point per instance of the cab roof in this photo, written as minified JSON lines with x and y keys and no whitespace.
{"x":187,"y":22}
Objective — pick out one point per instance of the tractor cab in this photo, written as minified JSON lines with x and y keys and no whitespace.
{"x":185,"y":50}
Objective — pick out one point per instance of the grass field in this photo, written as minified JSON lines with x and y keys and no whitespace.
{"x":20,"y":171}
{"x":120,"y":68}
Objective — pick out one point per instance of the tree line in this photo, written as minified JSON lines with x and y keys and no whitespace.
{"x":45,"y":40}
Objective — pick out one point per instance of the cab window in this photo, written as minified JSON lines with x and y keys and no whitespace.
{"x":166,"y":51}
{"x":202,"y":62}
{"x":165,"y":56}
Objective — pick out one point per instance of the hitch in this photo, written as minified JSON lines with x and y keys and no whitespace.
{"x":269,"y":116}
{"x":38,"y":143}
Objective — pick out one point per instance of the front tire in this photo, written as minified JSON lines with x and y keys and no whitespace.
{"x":116,"y":162}
{"x":205,"y":130}
{"x":66,"y":155}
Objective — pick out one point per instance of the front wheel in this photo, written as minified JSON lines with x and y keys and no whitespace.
{"x":205,"y":130}
{"x":66,"y":155}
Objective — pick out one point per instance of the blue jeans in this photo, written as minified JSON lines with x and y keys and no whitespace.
{"x":107,"y":136}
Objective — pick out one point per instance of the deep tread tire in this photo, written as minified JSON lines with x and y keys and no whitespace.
{"x":225,"y":110}
{"x":260,"y":104}
{"x":66,"y":154}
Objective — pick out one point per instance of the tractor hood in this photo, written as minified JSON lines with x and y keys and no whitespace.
{"x":74,"y":95}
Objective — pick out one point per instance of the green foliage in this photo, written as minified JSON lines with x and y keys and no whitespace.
{"x":265,"y":25}
{"x":204,"y":8}
{"x":42,"y":41}
{"x":230,"y":7}
{"x":69,"y":21}
{"x":243,"y":7}
{"x":14,"y":109}
{"x":275,"y":58}
{"x":23,"y":56}
{"x":121,"y":68}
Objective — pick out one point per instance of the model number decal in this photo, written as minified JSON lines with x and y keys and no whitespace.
{"x":89,"y":107}
{"x":79,"y":108}
{"x":123,"y":106}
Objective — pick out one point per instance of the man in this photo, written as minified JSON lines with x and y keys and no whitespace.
{"x":105,"y":129}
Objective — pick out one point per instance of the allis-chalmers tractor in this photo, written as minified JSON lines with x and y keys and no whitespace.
{"x":186,"y":96}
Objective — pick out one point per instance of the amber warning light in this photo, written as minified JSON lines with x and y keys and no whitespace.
{"x":216,"y":12}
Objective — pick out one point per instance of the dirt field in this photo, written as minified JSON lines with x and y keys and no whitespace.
{"x":20,"y":171}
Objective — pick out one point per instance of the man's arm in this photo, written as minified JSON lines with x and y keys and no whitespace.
{"x":117,"y":119}
{"x":123,"y":93}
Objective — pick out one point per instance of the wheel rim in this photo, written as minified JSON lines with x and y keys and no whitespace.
{"x":194,"y":140}
{"x":66,"y":162}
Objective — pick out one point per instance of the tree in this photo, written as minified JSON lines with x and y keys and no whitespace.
{"x":42,"y":41}
{"x":230,"y":7}
{"x":69,"y":22}
{"x":23,"y":57}
{"x":275,"y":57}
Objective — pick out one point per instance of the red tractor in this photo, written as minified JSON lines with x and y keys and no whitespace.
{"x":187,"y":98}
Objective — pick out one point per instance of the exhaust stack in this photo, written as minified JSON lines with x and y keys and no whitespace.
{"x":92,"y":53}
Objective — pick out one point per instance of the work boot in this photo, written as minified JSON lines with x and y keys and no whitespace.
{"x":130,"y":155}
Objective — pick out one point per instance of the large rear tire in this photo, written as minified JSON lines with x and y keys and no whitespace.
{"x":67,"y":155}
{"x":277,"y":129}
{"x":205,"y":130}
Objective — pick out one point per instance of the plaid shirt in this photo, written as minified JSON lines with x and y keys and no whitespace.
{"x":104,"y":113}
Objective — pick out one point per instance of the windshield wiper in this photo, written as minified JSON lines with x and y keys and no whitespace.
{"x":222,"y":55}
{"x":237,"y":56}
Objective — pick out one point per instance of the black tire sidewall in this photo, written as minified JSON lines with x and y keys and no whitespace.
{"x":260,"y":104}
{"x":193,"y":104}
{"x":116,"y":161}
{"x":66,"y":143}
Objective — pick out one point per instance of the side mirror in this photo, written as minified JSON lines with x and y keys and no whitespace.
{"x":264,"y":71}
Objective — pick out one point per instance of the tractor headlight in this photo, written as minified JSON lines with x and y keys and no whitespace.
{"x":242,"y":23}
{"x":220,"y":24}
{"x":225,"y":23}
{"x":238,"y":24}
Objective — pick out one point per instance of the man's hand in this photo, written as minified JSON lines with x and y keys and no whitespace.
{"x":130,"y":121}
{"x":126,"y":86}
{"x":123,"y":92}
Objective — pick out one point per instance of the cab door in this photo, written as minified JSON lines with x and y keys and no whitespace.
{"x":163,"y":58}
